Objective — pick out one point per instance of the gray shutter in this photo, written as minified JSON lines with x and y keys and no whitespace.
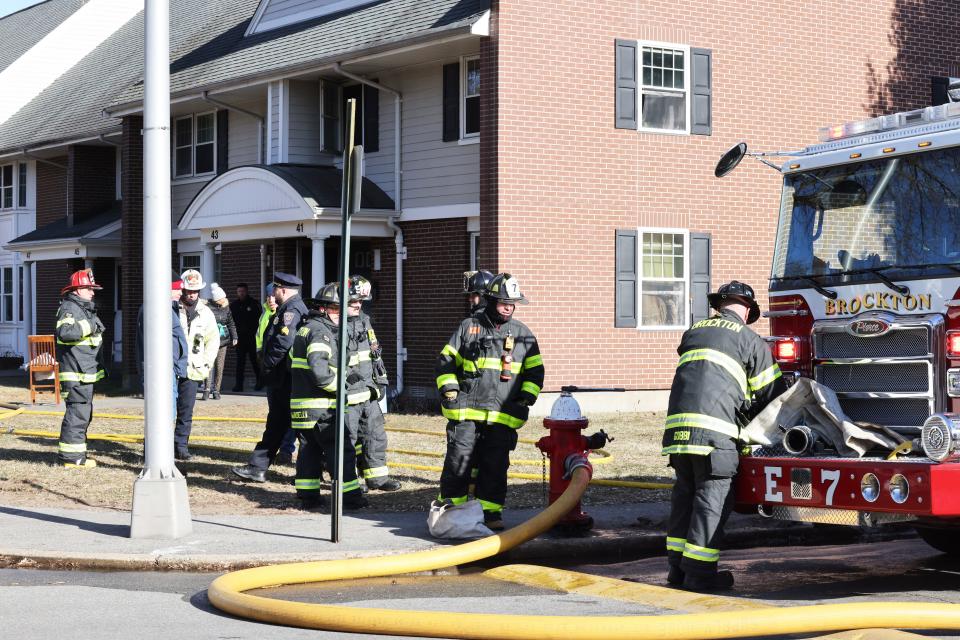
{"x":626,"y":291}
{"x":699,"y":276}
{"x":626,"y":98}
{"x":701,"y":88}
{"x":223,"y":139}
{"x":451,"y":102}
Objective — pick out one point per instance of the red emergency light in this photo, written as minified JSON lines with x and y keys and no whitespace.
{"x":953,"y":344}
{"x":786,"y":349}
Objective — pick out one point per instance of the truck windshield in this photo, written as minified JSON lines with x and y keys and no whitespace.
{"x":900,"y":214}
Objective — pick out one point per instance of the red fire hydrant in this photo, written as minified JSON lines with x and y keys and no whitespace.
{"x":567,"y":446}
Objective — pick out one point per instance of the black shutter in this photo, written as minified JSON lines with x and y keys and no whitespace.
{"x":371,"y":119}
{"x":451,"y":102}
{"x":626,"y":98}
{"x":330,"y":114}
{"x":626,"y":291}
{"x":222,"y":140}
{"x":701,"y":88}
{"x":938,"y":90}
{"x":699,"y":276}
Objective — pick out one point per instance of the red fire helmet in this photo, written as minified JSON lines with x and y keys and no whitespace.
{"x":82,"y":279}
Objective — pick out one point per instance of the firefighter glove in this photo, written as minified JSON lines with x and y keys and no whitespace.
{"x":451,"y":395}
{"x":354,"y":378}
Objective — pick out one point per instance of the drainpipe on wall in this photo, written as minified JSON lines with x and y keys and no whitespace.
{"x":256,"y":116}
{"x":401,"y":251}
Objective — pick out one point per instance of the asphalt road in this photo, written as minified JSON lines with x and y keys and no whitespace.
{"x":76,"y":604}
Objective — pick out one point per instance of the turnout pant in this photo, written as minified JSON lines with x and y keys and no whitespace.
{"x":76,"y":419}
{"x":246,"y":349}
{"x":278,"y":425}
{"x":699,"y":506}
{"x":318,"y":448}
{"x":368,"y":436}
{"x":486,"y":447}
{"x":186,"y":400}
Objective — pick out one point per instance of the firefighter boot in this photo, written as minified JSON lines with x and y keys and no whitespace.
{"x":493,"y":520}
{"x":384,"y":484}
{"x":354,"y":500}
{"x":250,"y":472}
{"x":85,"y":463}
{"x":675,"y":576}
{"x":718,"y":581}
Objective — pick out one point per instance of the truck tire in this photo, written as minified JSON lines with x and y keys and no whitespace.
{"x":941,"y":539}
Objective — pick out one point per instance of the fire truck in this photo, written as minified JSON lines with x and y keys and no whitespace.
{"x":865,"y":299}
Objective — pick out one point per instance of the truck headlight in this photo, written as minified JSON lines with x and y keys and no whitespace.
{"x":899,"y":488}
{"x":940,"y":437}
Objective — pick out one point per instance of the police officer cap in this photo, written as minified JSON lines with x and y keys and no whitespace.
{"x":281,"y":279}
{"x":739,"y":292}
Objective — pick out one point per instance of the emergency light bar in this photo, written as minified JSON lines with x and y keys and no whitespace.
{"x":900,"y":120}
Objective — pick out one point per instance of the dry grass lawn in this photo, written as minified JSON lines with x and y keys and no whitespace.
{"x":28,"y":476}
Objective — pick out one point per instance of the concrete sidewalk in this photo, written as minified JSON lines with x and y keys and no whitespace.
{"x":68,"y":538}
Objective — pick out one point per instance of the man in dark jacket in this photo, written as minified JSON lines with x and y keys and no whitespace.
{"x":180,"y":353}
{"x":489,"y":374}
{"x":246,"y":316}
{"x":314,"y":363}
{"x":277,"y":341}
{"x":79,"y":335}
{"x":726,"y":375}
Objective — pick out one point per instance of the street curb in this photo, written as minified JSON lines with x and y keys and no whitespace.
{"x":604,"y":545}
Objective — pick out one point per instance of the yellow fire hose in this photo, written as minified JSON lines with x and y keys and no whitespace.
{"x":604,"y":457}
{"x":228,"y":593}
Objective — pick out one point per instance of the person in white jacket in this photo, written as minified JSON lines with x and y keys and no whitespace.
{"x":203,"y":342}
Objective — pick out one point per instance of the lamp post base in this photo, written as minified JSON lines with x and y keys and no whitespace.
{"x":161,"y":508}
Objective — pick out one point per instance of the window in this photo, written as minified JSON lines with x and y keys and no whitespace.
{"x":333,"y":103}
{"x":330,"y":116}
{"x":189,"y":261}
{"x":195,"y":142}
{"x":663,"y":278}
{"x":663,"y":88}
{"x":22,"y":185}
{"x":470,"y":92}
{"x":6,"y":294}
{"x":474,"y":250}
{"x":23,"y":294}
{"x":6,"y":186}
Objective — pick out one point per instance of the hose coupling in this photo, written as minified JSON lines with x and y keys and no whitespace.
{"x":576,"y":461}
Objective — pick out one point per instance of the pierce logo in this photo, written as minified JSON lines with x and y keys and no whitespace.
{"x":871,"y":327}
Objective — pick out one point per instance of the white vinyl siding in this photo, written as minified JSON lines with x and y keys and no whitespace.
{"x":181,"y":195}
{"x":243,"y":148}
{"x":274,"y":121}
{"x":304,"y":125}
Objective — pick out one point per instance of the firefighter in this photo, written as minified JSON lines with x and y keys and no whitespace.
{"x":366,"y":386}
{"x":726,"y":375}
{"x":275,"y":373}
{"x":475,"y":284}
{"x":79,"y":335}
{"x":314,"y":364}
{"x":488,"y":375}
{"x":203,"y":342}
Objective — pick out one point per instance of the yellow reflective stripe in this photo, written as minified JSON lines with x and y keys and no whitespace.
{"x":93,"y":341}
{"x":86,"y":378}
{"x":445,"y":379}
{"x":358,"y":397}
{"x":457,"y":500}
{"x":331,"y":386}
{"x":693,"y":449}
{"x":352,"y":485}
{"x":85,"y":325}
{"x":765,"y":377}
{"x":358,"y":357}
{"x":65,"y":321}
{"x":448,"y":350}
{"x":704,"y":554}
{"x":490,"y":506}
{"x":531,"y":388}
{"x":504,"y":419}
{"x":66,"y":447}
{"x":459,"y":415}
{"x":702,"y":421}
{"x":376,"y":472}
{"x":319,"y":346}
{"x":489,"y":363}
{"x":675,"y":544}
{"x":312,"y":403}
{"x":299,"y":424}
{"x":298,"y":363}
{"x":532,"y":361}
{"x":731,"y":366}
{"x":307,"y":484}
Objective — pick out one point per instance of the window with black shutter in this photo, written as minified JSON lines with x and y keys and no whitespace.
{"x":626,"y":279}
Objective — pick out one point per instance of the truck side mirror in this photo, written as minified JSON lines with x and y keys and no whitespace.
{"x":729,"y":160}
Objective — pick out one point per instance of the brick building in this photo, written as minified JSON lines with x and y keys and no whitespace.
{"x":571,"y":144}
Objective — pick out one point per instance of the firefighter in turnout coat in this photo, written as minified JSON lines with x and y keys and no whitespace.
{"x":79,"y":335}
{"x":367,"y":385}
{"x":725,"y":376}
{"x":489,"y":374}
{"x":313,"y":399}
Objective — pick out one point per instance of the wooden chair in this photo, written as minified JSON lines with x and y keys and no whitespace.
{"x":43,"y":361}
